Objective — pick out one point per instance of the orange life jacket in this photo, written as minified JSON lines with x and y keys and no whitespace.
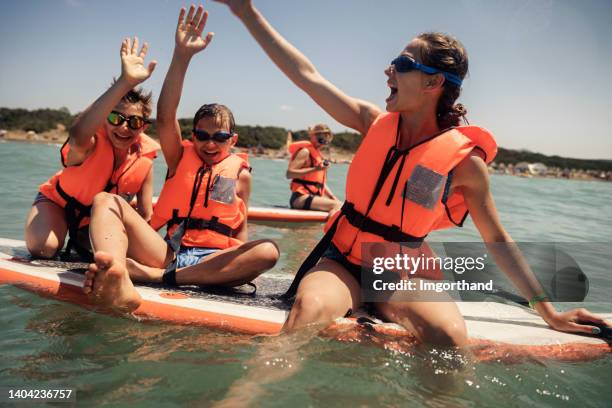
{"x":311,"y":183}
{"x":95,"y":174}
{"x":74,"y":187}
{"x":395,"y":195}
{"x":202,"y":201}
{"x":413,"y":196}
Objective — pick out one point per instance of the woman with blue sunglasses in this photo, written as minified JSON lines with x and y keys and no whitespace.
{"x":416,"y":170}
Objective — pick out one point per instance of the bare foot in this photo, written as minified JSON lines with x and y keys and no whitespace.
{"x":108,"y":284}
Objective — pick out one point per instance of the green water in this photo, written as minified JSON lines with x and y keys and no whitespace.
{"x":121,"y":362}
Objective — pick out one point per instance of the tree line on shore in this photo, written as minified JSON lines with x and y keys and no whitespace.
{"x":272,"y":137}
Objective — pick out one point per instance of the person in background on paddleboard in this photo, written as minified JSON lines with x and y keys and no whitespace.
{"x":203,"y":202}
{"x":107,"y":150}
{"x":308,"y":172}
{"x":415,"y":171}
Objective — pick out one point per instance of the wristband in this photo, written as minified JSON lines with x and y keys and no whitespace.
{"x":537,"y":299}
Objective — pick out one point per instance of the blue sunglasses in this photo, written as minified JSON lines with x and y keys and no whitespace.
{"x":404,"y":63}
{"x":204,"y":136}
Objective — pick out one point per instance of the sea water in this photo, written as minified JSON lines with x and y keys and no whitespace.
{"x":122,"y":362}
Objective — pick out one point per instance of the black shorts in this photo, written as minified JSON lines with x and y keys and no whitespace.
{"x":41,"y":198}
{"x":333,"y":253}
{"x":297,"y":195}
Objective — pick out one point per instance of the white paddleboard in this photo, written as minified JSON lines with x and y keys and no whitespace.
{"x":497,"y":331}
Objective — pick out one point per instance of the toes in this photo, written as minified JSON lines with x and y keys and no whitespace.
{"x":103,"y":260}
{"x":91,"y":273}
{"x":88,"y":286}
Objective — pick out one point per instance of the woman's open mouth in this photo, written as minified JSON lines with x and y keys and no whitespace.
{"x":392,"y":94}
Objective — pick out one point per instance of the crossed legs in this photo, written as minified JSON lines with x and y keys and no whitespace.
{"x":118,"y":233}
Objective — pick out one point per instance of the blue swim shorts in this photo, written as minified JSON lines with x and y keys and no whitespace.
{"x":189,"y":256}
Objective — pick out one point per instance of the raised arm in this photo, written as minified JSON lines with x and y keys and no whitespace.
{"x":472,"y":178}
{"x":188,"y":42}
{"x":351,"y":112}
{"x":133,"y":72}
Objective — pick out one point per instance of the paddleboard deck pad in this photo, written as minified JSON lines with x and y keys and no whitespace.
{"x":497,"y":331}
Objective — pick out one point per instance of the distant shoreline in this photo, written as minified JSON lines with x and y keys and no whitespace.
{"x":524,"y":170}
{"x":58,"y":137}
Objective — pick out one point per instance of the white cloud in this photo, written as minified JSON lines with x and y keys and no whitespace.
{"x":286,"y":108}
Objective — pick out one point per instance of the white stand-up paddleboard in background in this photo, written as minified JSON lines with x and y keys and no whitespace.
{"x":279,"y":214}
{"x":497,"y":331}
{"x":274,"y":214}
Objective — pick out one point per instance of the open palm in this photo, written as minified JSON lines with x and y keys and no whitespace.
{"x":189,"y":31}
{"x":133,"y":69}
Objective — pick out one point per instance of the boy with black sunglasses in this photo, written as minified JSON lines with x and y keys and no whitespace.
{"x":107,"y":150}
{"x":203,"y":203}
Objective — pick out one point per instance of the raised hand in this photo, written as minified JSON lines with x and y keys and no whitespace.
{"x":133,"y":70}
{"x":238,"y":7}
{"x":188,"y":37}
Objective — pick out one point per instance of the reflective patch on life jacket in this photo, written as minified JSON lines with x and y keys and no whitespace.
{"x":424,"y":187}
{"x":223,"y":190}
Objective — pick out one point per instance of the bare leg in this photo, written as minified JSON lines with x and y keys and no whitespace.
{"x":326,"y":293}
{"x":233,"y":266}
{"x":116,"y":230}
{"x":45,"y":229}
{"x":143,"y":273}
{"x":436,"y":320}
{"x":318,"y":203}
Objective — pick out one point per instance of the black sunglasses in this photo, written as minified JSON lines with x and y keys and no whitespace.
{"x":204,"y":136}
{"x":134,"y":122}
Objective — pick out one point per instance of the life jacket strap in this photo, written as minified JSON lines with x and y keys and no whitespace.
{"x":311,"y":260}
{"x":75,"y":212}
{"x":307,"y":183}
{"x":390,"y":233}
{"x":202,"y":224}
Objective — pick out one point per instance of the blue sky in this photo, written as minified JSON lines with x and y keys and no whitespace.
{"x":539,"y":69}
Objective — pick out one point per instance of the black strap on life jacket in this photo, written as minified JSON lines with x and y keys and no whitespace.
{"x":364,"y":223}
{"x":174,"y":241}
{"x":358,"y":220}
{"x":312,"y":259}
{"x":306,"y":183}
{"x":74,"y":212}
{"x":445,"y":194}
{"x":201,"y":224}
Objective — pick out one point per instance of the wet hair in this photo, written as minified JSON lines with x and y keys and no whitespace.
{"x":138,"y":96}
{"x":217,"y":111}
{"x":446,"y":53}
